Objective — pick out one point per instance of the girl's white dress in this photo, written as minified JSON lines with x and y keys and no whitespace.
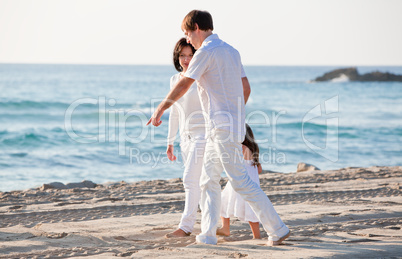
{"x":233,"y":205}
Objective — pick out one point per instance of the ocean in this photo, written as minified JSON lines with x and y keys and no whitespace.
{"x":69,"y":123}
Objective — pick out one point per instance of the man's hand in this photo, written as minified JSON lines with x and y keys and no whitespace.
{"x":156,"y":117}
{"x":169,"y":153}
{"x":175,"y":94}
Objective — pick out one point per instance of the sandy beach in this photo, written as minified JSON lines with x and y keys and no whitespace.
{"x":345,"y":213}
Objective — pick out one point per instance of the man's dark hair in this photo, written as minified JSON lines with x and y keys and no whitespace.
{"x":202,"y":18}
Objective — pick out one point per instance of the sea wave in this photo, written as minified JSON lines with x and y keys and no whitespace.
{"x":33,"y":137}
{"x":299,"y":125}
{"x":28,"y":104}
{"x":342,"y":78}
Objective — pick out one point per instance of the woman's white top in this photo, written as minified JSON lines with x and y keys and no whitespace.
{"x":233,"y":205}
{"x":186,"y":114}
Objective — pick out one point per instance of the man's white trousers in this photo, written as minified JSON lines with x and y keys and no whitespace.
{"x":224,"y":155}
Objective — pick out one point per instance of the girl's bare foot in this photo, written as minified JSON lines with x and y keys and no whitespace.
{"x":177,"y":233}
{"x":223,"y":232}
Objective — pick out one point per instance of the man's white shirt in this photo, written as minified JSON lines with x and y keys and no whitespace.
{"x":217,"y":68}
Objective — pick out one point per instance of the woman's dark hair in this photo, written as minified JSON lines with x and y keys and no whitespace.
{"x":252,"y":145}
{"x":176,"y":52}
{"x":202,"y":18}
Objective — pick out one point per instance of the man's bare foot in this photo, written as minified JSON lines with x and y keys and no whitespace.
{"x":278,"y":242}
{"x":177,"y":233}
{"x":223,"y":232}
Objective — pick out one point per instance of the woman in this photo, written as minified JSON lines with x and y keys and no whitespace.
{"x":186,"y":114}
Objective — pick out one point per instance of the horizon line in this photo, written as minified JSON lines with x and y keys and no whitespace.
{"x":246,"y":65}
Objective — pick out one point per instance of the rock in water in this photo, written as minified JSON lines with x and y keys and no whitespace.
{"x":352,"y":75}
{"x":380,"y":77}
{"x":303,"y":167}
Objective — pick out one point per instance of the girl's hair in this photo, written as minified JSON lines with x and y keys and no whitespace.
{"x":252,"y":145}
{"x":176,"y":52}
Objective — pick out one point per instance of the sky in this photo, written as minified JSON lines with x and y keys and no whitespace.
{"x":266,"y":32}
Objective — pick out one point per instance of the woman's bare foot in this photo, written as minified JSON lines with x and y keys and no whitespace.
{"x":223,"y":232}
{"x":177,"y":233}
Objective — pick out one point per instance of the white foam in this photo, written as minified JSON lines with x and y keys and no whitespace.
{"x":341,"y":78}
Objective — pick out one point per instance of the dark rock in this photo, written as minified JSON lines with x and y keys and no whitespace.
{"x":353,"y":75}
{"x":381,"y":77}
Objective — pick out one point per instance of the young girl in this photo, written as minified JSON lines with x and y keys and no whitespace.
{"x":232,"y":204}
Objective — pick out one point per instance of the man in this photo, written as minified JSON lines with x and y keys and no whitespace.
{"x":221,"y":80}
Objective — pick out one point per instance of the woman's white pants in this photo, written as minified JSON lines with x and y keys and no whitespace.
{"x":192,"y":148}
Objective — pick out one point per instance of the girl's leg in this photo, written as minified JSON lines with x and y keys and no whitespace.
{"x":225,"y":229}
{"x":250,"y":191}
{"x":255,"y":228}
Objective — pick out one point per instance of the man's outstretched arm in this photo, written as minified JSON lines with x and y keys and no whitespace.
{"x":246,"y":89}
{"x":175,"y":94}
